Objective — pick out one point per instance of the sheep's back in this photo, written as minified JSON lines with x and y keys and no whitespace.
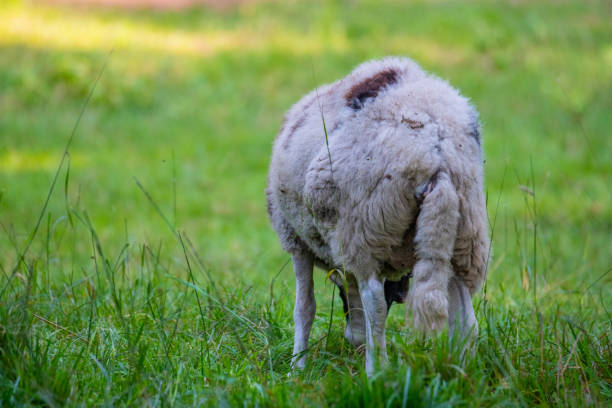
{"x":345,"y":191}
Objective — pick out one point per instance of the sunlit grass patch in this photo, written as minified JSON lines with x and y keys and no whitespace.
{"x":49,"y":28}
{"x":19,"y":161}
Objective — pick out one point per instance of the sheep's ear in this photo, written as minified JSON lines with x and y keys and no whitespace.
{"x":474,"y":125}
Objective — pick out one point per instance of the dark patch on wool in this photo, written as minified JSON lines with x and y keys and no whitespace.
{"x":414,"y":124}
{"x":369,"y":88}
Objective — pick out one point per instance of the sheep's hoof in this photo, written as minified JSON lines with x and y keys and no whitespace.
{"x":298,"y":364}
{"x":355,"y":337}
{"x":430,"y":310}
{"x":361,"y":349}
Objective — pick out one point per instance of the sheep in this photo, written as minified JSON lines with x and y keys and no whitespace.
{"x":379,"y":176}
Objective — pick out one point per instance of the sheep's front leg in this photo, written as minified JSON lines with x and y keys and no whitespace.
{"x":375,"y":309}
{"x":461,"y":318}
{"x":305,"y":306}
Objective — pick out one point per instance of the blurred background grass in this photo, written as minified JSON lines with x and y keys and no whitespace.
{"x":191,"y":100}
{"x":210,"y":86}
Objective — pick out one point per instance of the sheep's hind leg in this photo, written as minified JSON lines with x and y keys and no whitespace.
{"x":305,"y":306}
{"x":354,"y":331}
{"x":355,"y":325}
{"x":375,"y":309}
{"x":461,"y":318}
{"x":434,"y":241}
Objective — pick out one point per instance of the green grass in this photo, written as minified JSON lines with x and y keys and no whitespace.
{"x":110,"y":306}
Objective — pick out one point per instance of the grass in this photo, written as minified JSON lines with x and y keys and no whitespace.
{"x":114,"y":304}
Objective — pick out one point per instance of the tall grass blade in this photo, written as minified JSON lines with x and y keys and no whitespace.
{"x":57,"y":172}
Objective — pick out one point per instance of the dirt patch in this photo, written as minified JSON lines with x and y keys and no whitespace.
{"x":149,"y":4}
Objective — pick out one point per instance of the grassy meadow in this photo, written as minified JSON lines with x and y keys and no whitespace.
{"x":137,"y":264}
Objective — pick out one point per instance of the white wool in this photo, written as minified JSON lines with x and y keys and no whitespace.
{"x":398,"y":189}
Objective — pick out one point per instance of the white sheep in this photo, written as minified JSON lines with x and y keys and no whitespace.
{"x":379,"y":175}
